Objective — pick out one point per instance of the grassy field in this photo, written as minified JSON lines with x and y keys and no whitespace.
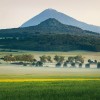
{"x":62,"y":90}
{"x":19,"y":72}
{"x":31,"y":83}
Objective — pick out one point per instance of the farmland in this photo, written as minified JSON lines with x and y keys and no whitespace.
{"x":18,"y":82}
{"x":60,"y":90}
{"x":8,"y":70}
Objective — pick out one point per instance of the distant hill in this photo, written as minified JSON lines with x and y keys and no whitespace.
{"x":50,"y":26}
{"x":49,"y":35}
{"x":65,"y":19}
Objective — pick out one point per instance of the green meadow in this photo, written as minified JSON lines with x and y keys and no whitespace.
{"x":50,"y":90}
{"x":62,"y":90}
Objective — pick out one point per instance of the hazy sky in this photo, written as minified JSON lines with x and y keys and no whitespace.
{"x":15,"y":12}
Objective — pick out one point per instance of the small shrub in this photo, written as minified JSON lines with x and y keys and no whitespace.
{"x":73,"y":64}
{"x":58,"y":64}
{"x":98,"y":65}
{"x":24,"y":64}
{"x":80,"y":65}
{"x":65,"y":64}
{"x":87,"y":65}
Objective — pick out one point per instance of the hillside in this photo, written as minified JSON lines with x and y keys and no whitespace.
{"x":63,"y":18}
{"x":50,"y":35}
{"x":49,"y":26}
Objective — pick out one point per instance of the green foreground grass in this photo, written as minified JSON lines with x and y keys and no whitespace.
{"x":60,"y":90}
{"x":50,"y":76}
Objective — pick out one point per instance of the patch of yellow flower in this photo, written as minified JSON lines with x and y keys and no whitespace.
{"x":46,"y":80}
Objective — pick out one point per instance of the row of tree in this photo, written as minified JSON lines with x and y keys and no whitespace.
{"x":29,"y":59}
{"x":23,"y":58}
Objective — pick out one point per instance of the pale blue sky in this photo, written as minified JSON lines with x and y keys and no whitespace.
{"x":15,"y":12}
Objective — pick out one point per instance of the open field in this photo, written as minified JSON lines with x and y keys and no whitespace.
{"x":62,"y":90}
{"x":18,"y":71}
{"x":43,"y":72}
{"x":18,"y":82}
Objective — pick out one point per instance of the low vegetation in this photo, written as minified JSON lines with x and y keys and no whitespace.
{"x":29,"y":59}
{"x":62,"y":90}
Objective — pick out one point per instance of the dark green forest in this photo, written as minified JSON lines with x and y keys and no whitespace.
{"x":52,"y":42}
{"x":50,"y":35}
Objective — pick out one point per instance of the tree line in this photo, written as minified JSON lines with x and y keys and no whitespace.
{"x":52,"y":42}
{"x":26,"y":59}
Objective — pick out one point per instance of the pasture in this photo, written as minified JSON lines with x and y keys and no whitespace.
{"x":57,"y":90}
{"x":8,"y":70}
{"x":19,"y":82}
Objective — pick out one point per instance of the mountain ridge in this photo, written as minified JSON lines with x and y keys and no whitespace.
{"x":63,"y":18}
{"x":54,"y":26}
{"x":50,"y":25}
{"x":49,"y":35}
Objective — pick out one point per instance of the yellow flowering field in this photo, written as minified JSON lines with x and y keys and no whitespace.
{"x":47,"y":80}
